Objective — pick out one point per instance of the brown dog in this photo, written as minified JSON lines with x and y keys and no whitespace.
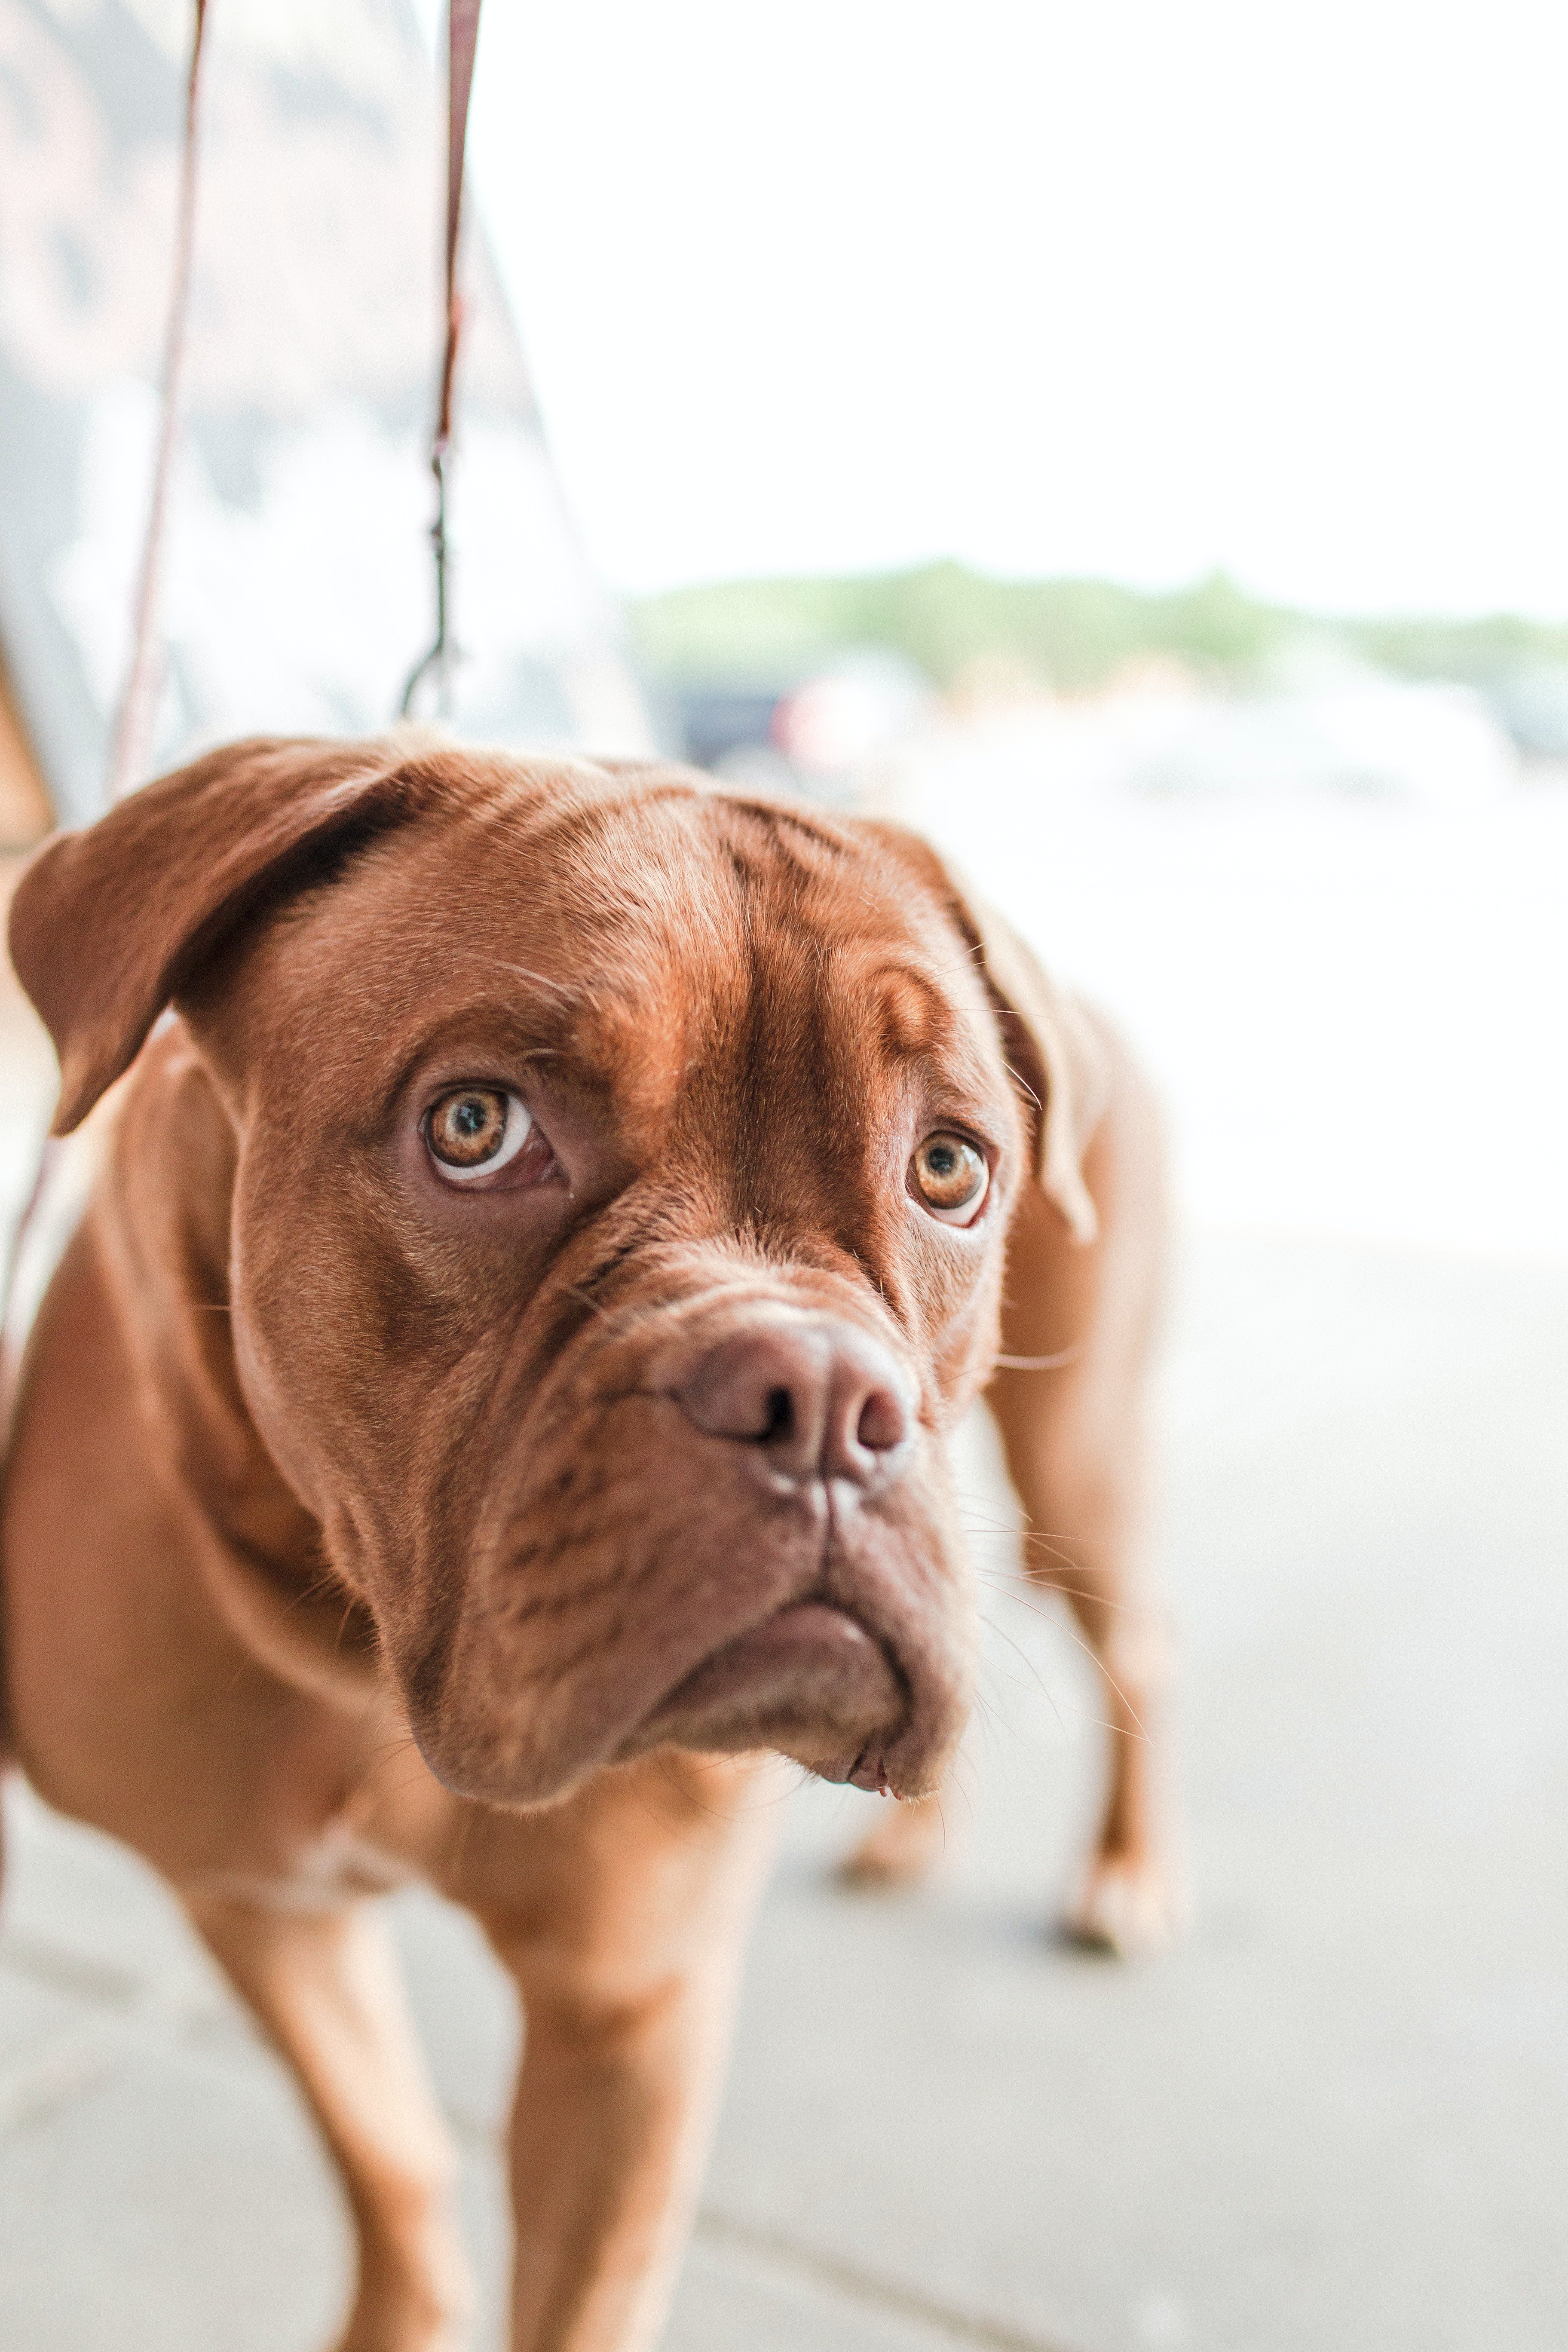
{"x":499,"y":1388}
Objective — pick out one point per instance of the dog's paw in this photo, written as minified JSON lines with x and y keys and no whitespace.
{"x":898,"y":1849}
{"x":1130,"y":1906}
{"x":413,"y":2306}
{"x":368,"y":2332}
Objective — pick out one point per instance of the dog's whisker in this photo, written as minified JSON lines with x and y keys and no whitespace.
{"x":1007,"y":1589}
{"x":1028,"y":1539}
{"x":1022,"y":1536}
{"x":1040,"y":1682}
{"x":1092,"y":1655}
{"x":1019,"y":1080}
{"x":381,"y":1757}
{"x":541,"y":980}
{"x":1081,"y":1642}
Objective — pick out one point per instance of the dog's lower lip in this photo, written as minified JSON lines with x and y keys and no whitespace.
{"x":811,"y":1671}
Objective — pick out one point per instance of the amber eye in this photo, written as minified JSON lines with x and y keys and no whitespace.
{"x":474,"y":1130}
{"x":951,"y":1177}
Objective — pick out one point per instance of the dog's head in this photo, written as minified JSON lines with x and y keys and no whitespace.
{"x":624,"y":1170}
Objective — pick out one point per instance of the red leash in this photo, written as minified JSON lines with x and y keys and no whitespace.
{"x":462,"y":40}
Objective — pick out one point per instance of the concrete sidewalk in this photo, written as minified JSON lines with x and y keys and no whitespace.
{"x":1337,"y":2121}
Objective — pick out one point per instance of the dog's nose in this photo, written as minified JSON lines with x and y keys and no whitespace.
{"x":820,"y":1400}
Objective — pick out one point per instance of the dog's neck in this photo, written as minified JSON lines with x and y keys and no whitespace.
{"x":161,"y":1216}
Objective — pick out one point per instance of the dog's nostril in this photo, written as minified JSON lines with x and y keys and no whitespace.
{"x":882,"y":1423}
{"x":780,"y":1422}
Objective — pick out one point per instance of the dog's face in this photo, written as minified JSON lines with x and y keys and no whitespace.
{"x":624,"y":1173}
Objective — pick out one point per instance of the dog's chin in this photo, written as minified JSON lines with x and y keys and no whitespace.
{"x":810,"y":1683}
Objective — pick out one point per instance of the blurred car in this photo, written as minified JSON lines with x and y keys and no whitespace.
{"x":1532,"y":705}
{"x":814,"y":732}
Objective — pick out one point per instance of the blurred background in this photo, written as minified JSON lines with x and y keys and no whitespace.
{"x":1126,"y":444}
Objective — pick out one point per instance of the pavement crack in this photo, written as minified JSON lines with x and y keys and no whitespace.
{"x":772,"y":2248}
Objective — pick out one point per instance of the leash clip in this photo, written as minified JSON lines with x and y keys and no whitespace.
{"x":443,"y":653}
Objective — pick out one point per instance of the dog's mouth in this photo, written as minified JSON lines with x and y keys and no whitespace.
{"x":810,"y":1681}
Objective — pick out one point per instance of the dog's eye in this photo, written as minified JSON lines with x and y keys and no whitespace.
{"x":474,"y":1130}
{"x":951,"y":1177}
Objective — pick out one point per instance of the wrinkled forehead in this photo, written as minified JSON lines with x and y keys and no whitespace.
{"x":641,"y":932}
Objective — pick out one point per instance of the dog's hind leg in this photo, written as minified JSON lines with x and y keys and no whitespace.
{"x":325,"y":1985}
{"x":1076,"y":1448}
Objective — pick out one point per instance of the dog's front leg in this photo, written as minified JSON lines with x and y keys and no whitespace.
{"x":325,"y":1985}
{"x":608,"y":2136}
{"x":627,"y":1969}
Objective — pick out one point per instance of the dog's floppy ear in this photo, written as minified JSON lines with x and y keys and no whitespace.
{"x":1052,"y":1047}
{"x":106,"y":925}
